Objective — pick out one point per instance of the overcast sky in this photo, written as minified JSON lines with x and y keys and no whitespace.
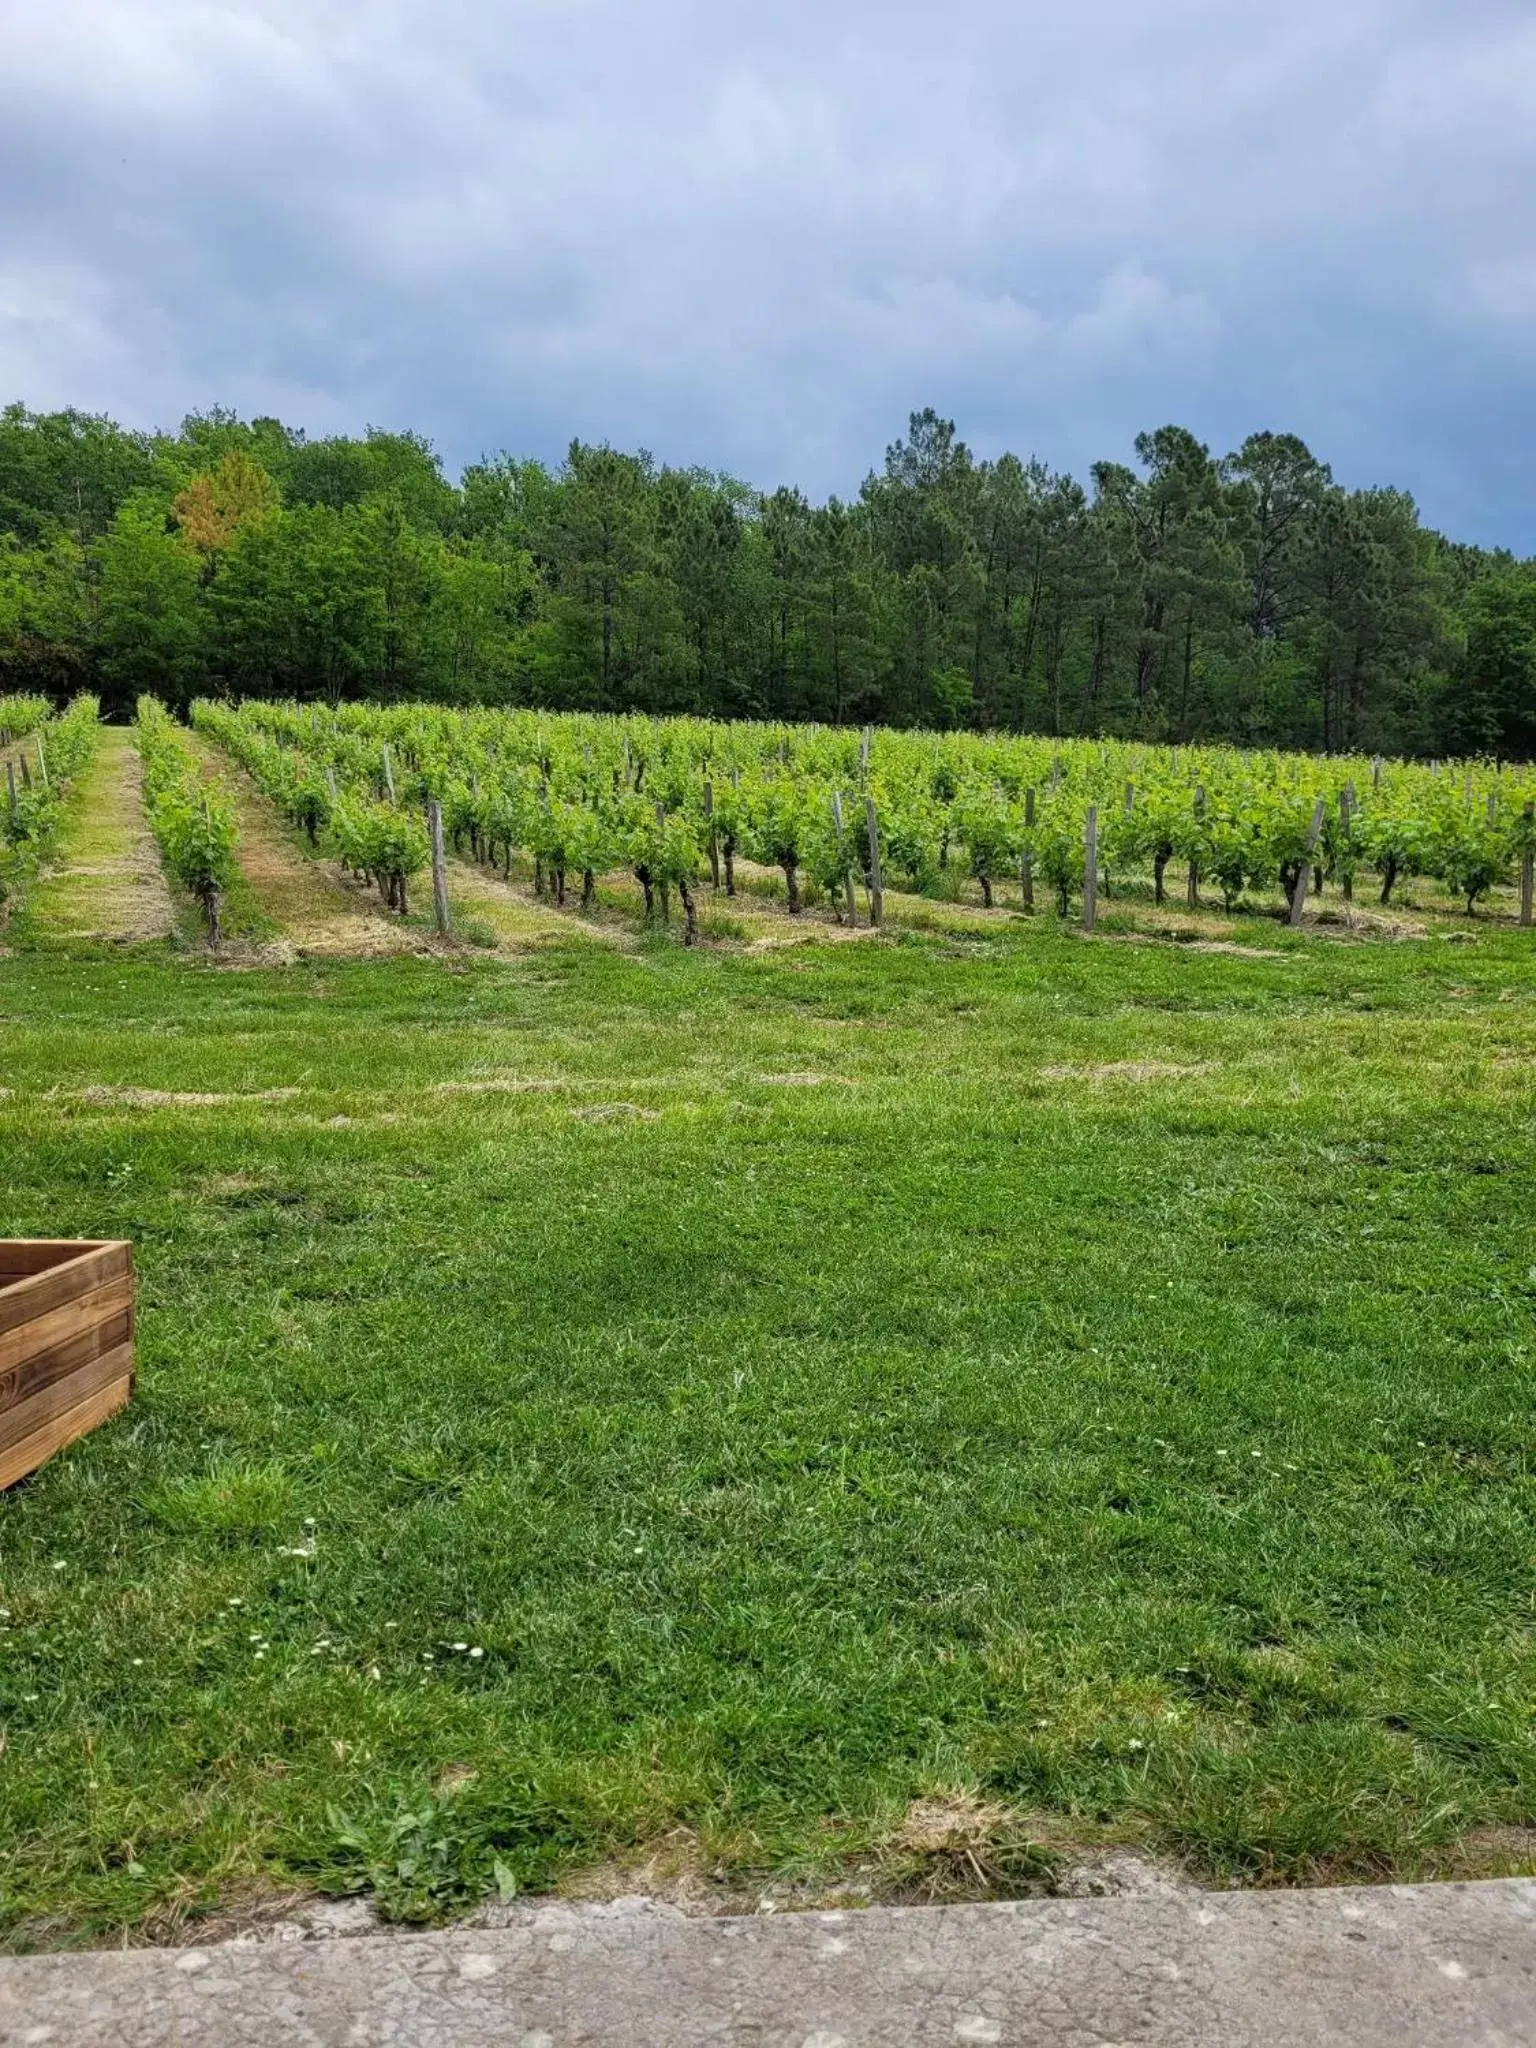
{"x":756,"y":236}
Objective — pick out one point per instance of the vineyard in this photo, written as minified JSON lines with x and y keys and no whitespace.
{"x":841,"y":815}
{"x":38,"y":778}
{"x":807,"y":1421}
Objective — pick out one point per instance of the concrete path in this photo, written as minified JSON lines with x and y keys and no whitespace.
{"x":1401,"y":1967}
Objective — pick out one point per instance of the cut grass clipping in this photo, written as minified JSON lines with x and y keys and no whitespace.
{"x":1102,"y":1403}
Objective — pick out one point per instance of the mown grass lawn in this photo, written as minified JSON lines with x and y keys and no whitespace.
{"x":1105,"y":1390}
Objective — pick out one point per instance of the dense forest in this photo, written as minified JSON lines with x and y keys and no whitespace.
{"x":1184,"y":597}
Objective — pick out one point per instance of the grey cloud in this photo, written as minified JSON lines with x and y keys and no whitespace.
{"x":757,"y":238}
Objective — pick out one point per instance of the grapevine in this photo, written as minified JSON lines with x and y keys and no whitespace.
{"x":581,"y":795}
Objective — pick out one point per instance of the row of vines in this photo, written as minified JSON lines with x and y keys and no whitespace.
{"x":42,"y":756}
{"x":191,"y":816}
{"x":832,"y":810}
{"x":20,"y":716}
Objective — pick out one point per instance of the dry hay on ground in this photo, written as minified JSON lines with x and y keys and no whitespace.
{"x":108,"y":1095}
{"x":500,"y":1084}
{"x":804,"y":1080}
{"x":1129,"y":1070}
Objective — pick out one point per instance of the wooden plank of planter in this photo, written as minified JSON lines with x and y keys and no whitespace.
{"x":69,"y":1320}
{"x":35,"y":1277}
{"x":22,"y":1255}
{"x":35,"y":1415}
{"x":46,"y":1368}
{"x":17,"y":1460}
{"x":66,"y":1345}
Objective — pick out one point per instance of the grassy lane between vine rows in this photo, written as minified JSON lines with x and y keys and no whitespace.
{"x":299,"y":896}
{"x":489,"y":910}
{"x":755,"y":916}
{"x":752,"y":917}
{"x":317,"y":910}
{"x":108,"y":884}
{"x":625,"y":1406}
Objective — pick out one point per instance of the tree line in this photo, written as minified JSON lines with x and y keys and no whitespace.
{"x":1181,"y":597}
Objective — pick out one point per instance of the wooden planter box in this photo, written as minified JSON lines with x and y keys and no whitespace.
{"x":66,"y":1345}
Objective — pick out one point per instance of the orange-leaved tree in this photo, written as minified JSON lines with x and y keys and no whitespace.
{"x":216,"y":504}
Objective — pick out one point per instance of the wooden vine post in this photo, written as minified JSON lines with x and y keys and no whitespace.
{"x":1027,"y":864}
{"x":1346,"y":825}
{"x":850,"y":904}
{"x":662,"y":888}
{"x":1528,"y":867}
{"x":439,"y":867}
{"x":389,"y":776}
{"x":42,"y":762}
{"x":1299,"y":893}
{"x":10,"y":783}
{"x":1193,"y":888}
{"x":876,"y":883}
{"x":1091,"y":868}
{"x":714,"y":843}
